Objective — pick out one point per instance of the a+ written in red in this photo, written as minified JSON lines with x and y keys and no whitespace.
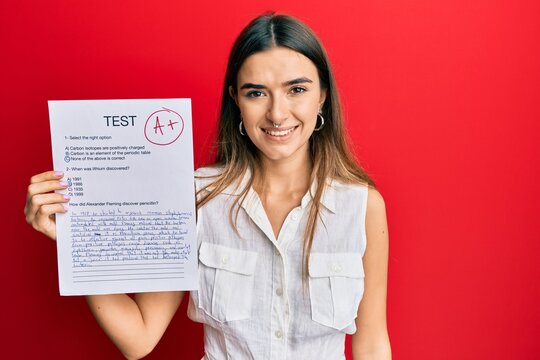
{"x":159,"y":127}
{"x":163,"y":127}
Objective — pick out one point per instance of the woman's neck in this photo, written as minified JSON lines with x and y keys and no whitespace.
{"x":284,"y":176}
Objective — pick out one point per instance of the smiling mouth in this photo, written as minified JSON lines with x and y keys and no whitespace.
{"x":280,"y":132}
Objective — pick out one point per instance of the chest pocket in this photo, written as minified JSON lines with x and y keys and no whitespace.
{"x":226,"y":282}
{"x":336,"y":286}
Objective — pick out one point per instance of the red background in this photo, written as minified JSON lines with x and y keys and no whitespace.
{"x":442,"y":104}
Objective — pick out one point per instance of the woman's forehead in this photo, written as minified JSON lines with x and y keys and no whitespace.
{"x":278,"y":64}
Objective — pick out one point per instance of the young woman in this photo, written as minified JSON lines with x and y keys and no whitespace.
{"x":300,"y":257}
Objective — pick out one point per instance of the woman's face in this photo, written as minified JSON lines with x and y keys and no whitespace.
{"x":279,"y":86}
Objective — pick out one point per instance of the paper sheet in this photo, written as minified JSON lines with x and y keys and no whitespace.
{"x":130,"y":225}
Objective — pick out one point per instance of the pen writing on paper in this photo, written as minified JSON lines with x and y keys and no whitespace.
{"x":115,"y":245}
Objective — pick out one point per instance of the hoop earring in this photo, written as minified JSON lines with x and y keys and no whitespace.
{"x":240,"y":128}
{"x":319,"y":115}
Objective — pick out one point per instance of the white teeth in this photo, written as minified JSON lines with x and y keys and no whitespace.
{"x":279,"y":133}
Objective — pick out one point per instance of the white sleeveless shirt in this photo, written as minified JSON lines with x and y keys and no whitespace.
{"x":252,"y":299}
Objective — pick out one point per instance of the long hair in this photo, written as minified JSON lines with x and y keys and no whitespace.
{"x":236,"y":154}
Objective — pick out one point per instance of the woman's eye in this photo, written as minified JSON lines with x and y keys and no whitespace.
{"x":254,"y":93}
{"x":297,"y":89}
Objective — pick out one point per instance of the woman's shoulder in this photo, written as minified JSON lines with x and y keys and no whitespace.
{"x":206,"y":175}
{"x":375,"y":200}
{"x":367,"y":194}
{"x":348,"y":188}
{"x":206,"y":171}
{"x":376,"y":222}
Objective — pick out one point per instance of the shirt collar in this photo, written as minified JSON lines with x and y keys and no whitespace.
{"x":328,"y":198}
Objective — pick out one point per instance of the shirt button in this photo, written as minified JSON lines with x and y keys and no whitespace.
{"x":225,"y":260}
{"x":294,"y":217}
{"x":278,"y":334}
{"x":336,"y":268}
{"x":279,"y":292}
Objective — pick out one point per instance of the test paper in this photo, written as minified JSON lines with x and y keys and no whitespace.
{"x":130,"y":225}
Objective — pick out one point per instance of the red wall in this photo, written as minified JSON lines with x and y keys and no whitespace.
{"x":442,"y":102}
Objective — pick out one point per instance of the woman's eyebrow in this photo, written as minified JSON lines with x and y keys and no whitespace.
{"x":300,"y":80}
{"x":296,"y":81}
{"x":252,"y":86}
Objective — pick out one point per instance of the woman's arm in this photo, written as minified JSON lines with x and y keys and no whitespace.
{"x":371,"y":342}
{"x":135,"y":325}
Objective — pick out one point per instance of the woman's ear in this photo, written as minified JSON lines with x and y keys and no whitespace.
{"x":322,"y":98}
{"x":233,"y":94}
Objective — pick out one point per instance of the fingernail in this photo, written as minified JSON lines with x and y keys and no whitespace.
{"x":65,"y":208}
{"x":66,"y":197}
{"x":58,"y":173}
{"x":63,"y":183}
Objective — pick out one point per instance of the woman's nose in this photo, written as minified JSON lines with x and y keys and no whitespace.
{"x":278,"y":110}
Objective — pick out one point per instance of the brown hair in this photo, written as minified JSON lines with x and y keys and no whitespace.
{"x":236,"y":154}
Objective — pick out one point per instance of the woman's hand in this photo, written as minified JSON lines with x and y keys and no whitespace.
{"x":42,"y":203}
